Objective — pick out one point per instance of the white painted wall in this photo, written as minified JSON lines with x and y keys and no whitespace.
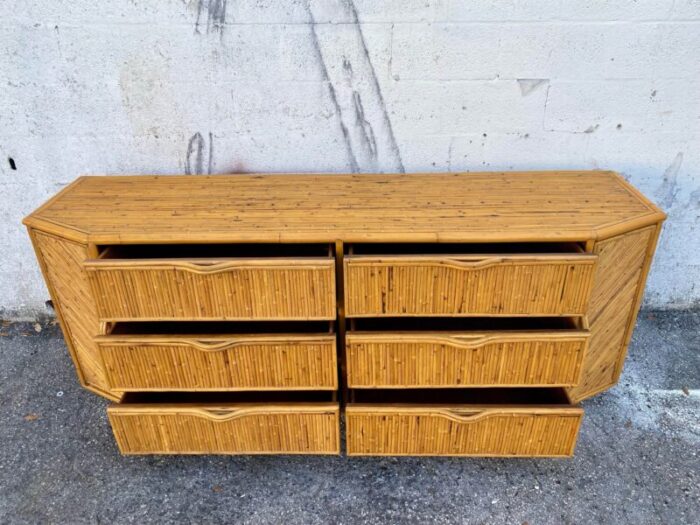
{"x":218,"y":86}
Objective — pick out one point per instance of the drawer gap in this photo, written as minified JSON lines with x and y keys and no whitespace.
{"x":211,"y":251}
{"x":218,"y":327}
{"x":464,"y":248}
{"x":466,"y":396}
{"x":272,"y":397}
{"x":464,"y":324}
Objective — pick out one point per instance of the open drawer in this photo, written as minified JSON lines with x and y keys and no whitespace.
{"x":498,"y":422}
{"x":468,"y":280}
{"x":213,"y":282}
{"x":462,"y":352}
{"x":201,"y":356}
{"x":242,"y":423}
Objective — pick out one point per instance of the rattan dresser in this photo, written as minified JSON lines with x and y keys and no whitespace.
{"x":440,"y":314}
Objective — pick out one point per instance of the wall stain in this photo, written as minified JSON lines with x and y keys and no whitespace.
{"x":528,"y":85}
{"x":373,"y":77}
{"x":347,"y":67}
{"x":368,"y":141}
{"x":354,"y":167}
{"x":211,"y":153}
{"x":194,"y":161}
{"x":666,"y":193}
{"x":367,"y":133}
{"x":58,"y":40}
{"x":216,"y":16}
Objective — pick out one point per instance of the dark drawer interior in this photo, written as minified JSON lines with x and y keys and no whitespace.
{"x":218,"y":327}
{"x":213,"y":251}
{"x":464,"y":248}
{"x":466,"y":396}
{"x":464,"y":324}
{"x":177,"y":398}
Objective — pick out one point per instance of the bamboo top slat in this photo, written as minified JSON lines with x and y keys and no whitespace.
{"x":430,"y":207}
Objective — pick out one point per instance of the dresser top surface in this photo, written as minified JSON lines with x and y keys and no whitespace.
{"x":431,"y":207}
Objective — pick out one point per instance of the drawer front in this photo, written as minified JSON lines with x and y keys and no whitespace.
{"x":234,"y":289}
{"x":400,"y":359}
{"x":256,"y":429}
{"x":245,"y":362}
{"x":464,"y":286}
{"x":434,"y":431}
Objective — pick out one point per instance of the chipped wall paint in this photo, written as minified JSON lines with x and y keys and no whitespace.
{"x":221,"y":86}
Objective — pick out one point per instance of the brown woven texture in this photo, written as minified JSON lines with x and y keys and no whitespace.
{"x":418,"y":360}
{"x":441,"y":432}
{"x":416,"y":207}
{"x":272,"y":289}
{"x":604,"y":229}
{"x":622,"y":265}
{"x":72,"y":297}
{"x":238,"y":363}
{"x":302,"y":429}
{"x":431,"y":286}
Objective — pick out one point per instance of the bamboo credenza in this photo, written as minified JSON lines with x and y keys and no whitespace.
{"x":456,"y":314}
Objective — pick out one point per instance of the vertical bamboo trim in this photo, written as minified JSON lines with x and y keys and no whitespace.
{"x":231,"y":429}
{"x":255,"y":362}
{"x":432,"y":286}
{"x":436,"y":431}
{"x":431,"y":360}
{"x":272,"y":289}
{"x":340,"y":289}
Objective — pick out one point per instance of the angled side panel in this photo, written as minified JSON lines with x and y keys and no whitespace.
{"x":60,"y":262}
{"x":623,"y":262}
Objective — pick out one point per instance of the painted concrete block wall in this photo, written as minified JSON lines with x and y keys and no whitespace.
{"x":220,"y":86}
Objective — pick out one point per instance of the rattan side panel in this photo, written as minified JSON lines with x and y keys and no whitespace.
{"x":433,"y":433}
{"x":265,"y":431}
{"x":618,"y":279}
{"x":246,"y":292}
{"x":245,"y":365}
{"x":436,"y":363}
{"x":392,"y":287}
{"x":61,"y":261}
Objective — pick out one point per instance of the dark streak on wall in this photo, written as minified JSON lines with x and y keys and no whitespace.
{"x":194,"y":163}
{"x":216,"y":16}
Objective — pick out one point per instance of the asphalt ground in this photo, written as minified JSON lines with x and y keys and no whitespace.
{"x":637,"y":459}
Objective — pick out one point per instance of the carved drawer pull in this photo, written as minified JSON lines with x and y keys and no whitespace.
{"x":466,"y":417}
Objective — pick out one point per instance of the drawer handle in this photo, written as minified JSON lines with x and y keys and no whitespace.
{"x":219,"y":414}
{"x":207,"y":267}
{"x":475,"y":265}
{"x":229,"y":414}
{"x":208,"y":346}
{"x":471,"y":342}
{"x":218,"y":346}
{"x":466,"y":342}
{"x":466,"y":418}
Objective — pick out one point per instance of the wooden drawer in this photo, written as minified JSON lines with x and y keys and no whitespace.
{"x":201,"y":282}
{"x":521,"y":426}
{"x":219,"y":356}
{"x":466,"y":352}
{"x":492,"y":284}
{"x":205,"y":425}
